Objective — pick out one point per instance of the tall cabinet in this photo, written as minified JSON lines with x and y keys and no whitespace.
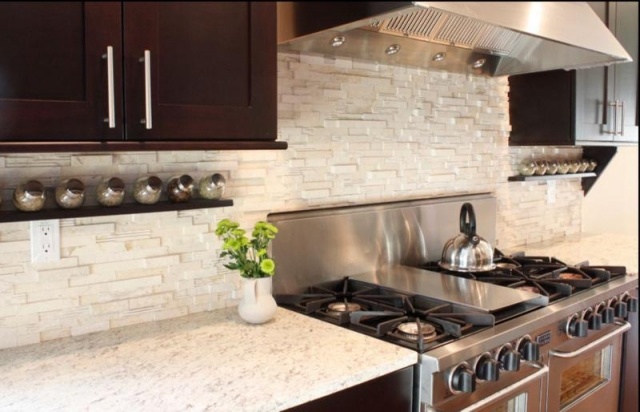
{"x":137,"y":75}
{"x":596,"y":106}
{"x":607,"y":97}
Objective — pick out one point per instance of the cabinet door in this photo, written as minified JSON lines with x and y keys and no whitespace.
{"x":594,"y":92}
{"x":53,"y":78}
{"x":211,"y":70}
{"x":606,"y":97}
{"x":541,"y":108}
{"x":625,"y":27}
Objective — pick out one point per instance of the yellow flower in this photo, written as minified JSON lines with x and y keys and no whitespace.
{"x":268,"y":266}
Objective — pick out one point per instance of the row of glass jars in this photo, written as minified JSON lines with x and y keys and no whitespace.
{"x":530,"y":167}
{"x":110,"y":192}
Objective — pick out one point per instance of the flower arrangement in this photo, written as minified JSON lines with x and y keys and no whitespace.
{"x":249,"y":256}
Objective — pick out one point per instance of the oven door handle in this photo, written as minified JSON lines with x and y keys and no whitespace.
{"x":624,"y":326}
{"x":543,"y":370}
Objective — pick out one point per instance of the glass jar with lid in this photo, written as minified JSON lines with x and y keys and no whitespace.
{"x":29,"y":196}
{"x":147,"y":189}
{"x":180,"y":188}
{"x":552,"y":167}
{"x":110,"y":192}
{"x":212,"y":186}
{"x":527,"y":167}
{"x":70,"y":194}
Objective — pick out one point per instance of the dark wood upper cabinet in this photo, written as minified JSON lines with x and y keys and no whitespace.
{"x":53,"y":79}
{"x":595,"y":106}
{"x":208,"y":79}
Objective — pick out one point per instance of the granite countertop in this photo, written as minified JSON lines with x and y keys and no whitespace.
{"x":597,"y":249}
{"x":216,"y":362}
{"x":207,"y":361}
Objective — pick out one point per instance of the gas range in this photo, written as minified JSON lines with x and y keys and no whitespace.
{"x":544,"y":275}
{"x":391,"y":304}
{"x":373,"y":269}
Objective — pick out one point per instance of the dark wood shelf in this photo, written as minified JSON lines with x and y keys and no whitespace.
{"x":129,"y":146}
{"x":124,"y":209}
{"x":550,"y":177}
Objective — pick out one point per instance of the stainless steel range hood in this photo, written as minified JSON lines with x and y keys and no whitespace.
{"x":483,"y":38}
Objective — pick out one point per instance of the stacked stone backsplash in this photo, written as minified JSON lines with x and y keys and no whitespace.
{"x":357,"y":132}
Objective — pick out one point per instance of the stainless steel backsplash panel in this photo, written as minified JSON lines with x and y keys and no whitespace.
{"x":319,"y":245}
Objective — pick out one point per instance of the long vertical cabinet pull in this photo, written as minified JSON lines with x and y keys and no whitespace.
{"x":614,"y":130}
{"x":147,"y":89}
{"x":621,"y":105}
{"x":111,"y":119}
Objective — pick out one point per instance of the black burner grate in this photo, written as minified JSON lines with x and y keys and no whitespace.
{"x":382,"y":311}
{"x":545,"y":275}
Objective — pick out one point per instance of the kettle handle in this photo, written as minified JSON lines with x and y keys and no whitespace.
{"x":468,"y":227}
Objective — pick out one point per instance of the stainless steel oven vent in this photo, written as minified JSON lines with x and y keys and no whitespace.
{"x":480,"y":38}
{"x":450,"y":29}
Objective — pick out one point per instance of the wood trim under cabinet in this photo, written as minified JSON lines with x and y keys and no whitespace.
{"x":128,"y":146}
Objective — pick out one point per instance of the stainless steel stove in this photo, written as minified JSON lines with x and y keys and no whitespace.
{"x":533,"y":334}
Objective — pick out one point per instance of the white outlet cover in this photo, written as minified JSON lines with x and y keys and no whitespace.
{"x":45,"y":241}
{"x":551,"y":192}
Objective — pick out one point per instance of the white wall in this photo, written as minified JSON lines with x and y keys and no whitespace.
{"x":611,"y":206}
{"x":356,"y":133}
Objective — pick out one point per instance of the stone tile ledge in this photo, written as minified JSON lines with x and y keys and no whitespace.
{"x":207,"y":361}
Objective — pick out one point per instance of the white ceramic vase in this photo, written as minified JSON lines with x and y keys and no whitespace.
{"x":257,"y":305}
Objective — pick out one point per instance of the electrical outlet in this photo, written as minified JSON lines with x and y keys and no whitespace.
{"x":45,"y":241}
{"x":551,"y":192}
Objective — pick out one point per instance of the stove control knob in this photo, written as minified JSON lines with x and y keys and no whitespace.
{"x":594,"y":319}
{"x":632,"y":302}
{"x":462,"y":379}
{"x":620,"y":309}
{"x":529,"y":350}
{"x":487,"y":368}
{"x":509,"y":359}
{"x":576,"y":327}
{"x":606,"y":313}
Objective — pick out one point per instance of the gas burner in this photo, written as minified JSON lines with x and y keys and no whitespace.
{"x":342,"y":307}
{"x":412,"y":330}
{"x":529,"y":288}
{"x":538,"y":260}
{"x":507,"y":265}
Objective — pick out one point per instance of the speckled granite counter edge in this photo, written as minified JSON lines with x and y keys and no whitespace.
{"x":205,"y":361}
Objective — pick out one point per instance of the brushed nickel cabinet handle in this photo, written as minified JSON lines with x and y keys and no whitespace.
{"x":147,"y":89}
{"x":614,"y":129}
{"x":111,"y":119}
{"x":621,"y":103}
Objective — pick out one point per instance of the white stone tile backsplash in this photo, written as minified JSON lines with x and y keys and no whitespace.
{"x":357,"y":132}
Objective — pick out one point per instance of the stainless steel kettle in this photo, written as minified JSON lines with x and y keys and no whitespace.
{"x":467,"y":252}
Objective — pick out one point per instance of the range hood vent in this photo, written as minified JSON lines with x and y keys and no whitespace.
{"x":483,"y":38}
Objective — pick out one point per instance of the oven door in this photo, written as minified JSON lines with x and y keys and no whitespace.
{"x":586,"y":376}
{"x":523,"y":395}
